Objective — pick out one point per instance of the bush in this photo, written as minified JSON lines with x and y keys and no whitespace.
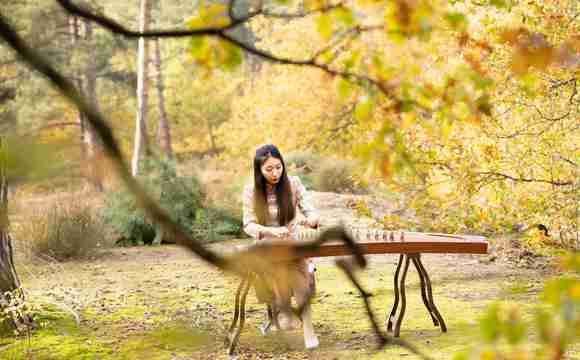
{"x":307,"y":181}
{"x":216,"y":224}
{"x":334,"y":175}
{"x":180,"y":196}
{"x":63,"y":230}
{"x":303,"y":161}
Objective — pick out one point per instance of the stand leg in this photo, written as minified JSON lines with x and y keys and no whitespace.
{"x":403,"y":298}
{"x":415,"y":258}
{"x":430,"y":296}
{"x":242,"y":316}
{"x":396,"y":304}
{"x":236,"y":309}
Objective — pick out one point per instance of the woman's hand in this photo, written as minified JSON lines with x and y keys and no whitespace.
{"x":313,"y":221}
{"x":279,"y":232}
{"x":299,"y":220}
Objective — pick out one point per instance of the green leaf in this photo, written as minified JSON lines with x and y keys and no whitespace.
{"x":502,"y":4}
{"x":461,"y":356}
{"x":352,"y":60}
{"x":514,"y":328}
{"x":408,"y":105}
{"x":484,"y":104}
{"x":456,"y":20}
{"x":198,"y":46}
{"x":572,"y":262}
{"x":545,"y":320}
{"x":345,"y":88}
{"x":555,"y":290}
{"x":490,"y":324}
{"x":482,"y":83}
{"x":344,"y":16}
{"x":232,"y":56}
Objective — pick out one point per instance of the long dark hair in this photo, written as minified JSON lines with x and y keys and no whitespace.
{"x":283,"y":190}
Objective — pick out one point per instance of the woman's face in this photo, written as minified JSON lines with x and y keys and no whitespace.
{"x":272,"y":170}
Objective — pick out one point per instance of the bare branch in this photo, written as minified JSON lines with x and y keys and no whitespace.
{"x":117,"y":28}
{"x":346,"y":267}
{"x":439,"y":164}
{"x":231,"y":10}
{"x":567,"y":160}
{"x":491,"y":175}
{"x":223,"y":33}
{"x":382,"y":339}
{"x":302,"y":14}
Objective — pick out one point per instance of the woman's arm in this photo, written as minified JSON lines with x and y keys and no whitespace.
{"x":250,"y":220}
{"x":304,"y":202}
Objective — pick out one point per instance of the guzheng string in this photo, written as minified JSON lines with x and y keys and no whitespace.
{"x":360,"y":234}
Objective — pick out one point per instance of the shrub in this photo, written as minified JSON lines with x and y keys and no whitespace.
{"x":303,"y":161}
{"x":216,"y":224}
{"x":62,"y":230}
{"x":334,"y":175}
{"x":180,"y":196}
{"x":307,"y":181}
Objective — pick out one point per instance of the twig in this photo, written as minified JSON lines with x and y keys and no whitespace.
{"x":492,"y":174}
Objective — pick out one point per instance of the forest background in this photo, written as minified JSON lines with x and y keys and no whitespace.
{"x":462,"y":114}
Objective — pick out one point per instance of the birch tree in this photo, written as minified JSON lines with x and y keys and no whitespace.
{"x":141,"y":147}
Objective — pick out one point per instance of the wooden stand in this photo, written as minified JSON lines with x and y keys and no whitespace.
{"x":426,"y":294}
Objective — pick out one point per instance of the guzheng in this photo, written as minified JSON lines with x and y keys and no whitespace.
{"x":409,"y":245}
{"x":378,"y":241}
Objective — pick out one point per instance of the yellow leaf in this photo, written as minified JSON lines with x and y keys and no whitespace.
{"x":387,"y":165}
{"x":367,"y":3}
{"x":408,"y":119}
{"x":324,"y":26}
{"x":446,"y":128}
{"x":575,"y":292}
{"x":363,"y":108}
{"x":213,"y":15}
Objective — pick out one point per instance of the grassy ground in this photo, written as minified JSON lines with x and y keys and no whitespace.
{"x":161,"y":303}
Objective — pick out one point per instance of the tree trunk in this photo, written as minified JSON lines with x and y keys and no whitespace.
{"x":12,"y":299}
{"x":74,"y":31}
{"x":85,"y":81}
{"x":141,"y":147}
{"x":163,"y":132}
{"x":92,"y":144}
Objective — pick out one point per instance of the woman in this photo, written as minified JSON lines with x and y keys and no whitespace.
{"x":273,"y":207}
